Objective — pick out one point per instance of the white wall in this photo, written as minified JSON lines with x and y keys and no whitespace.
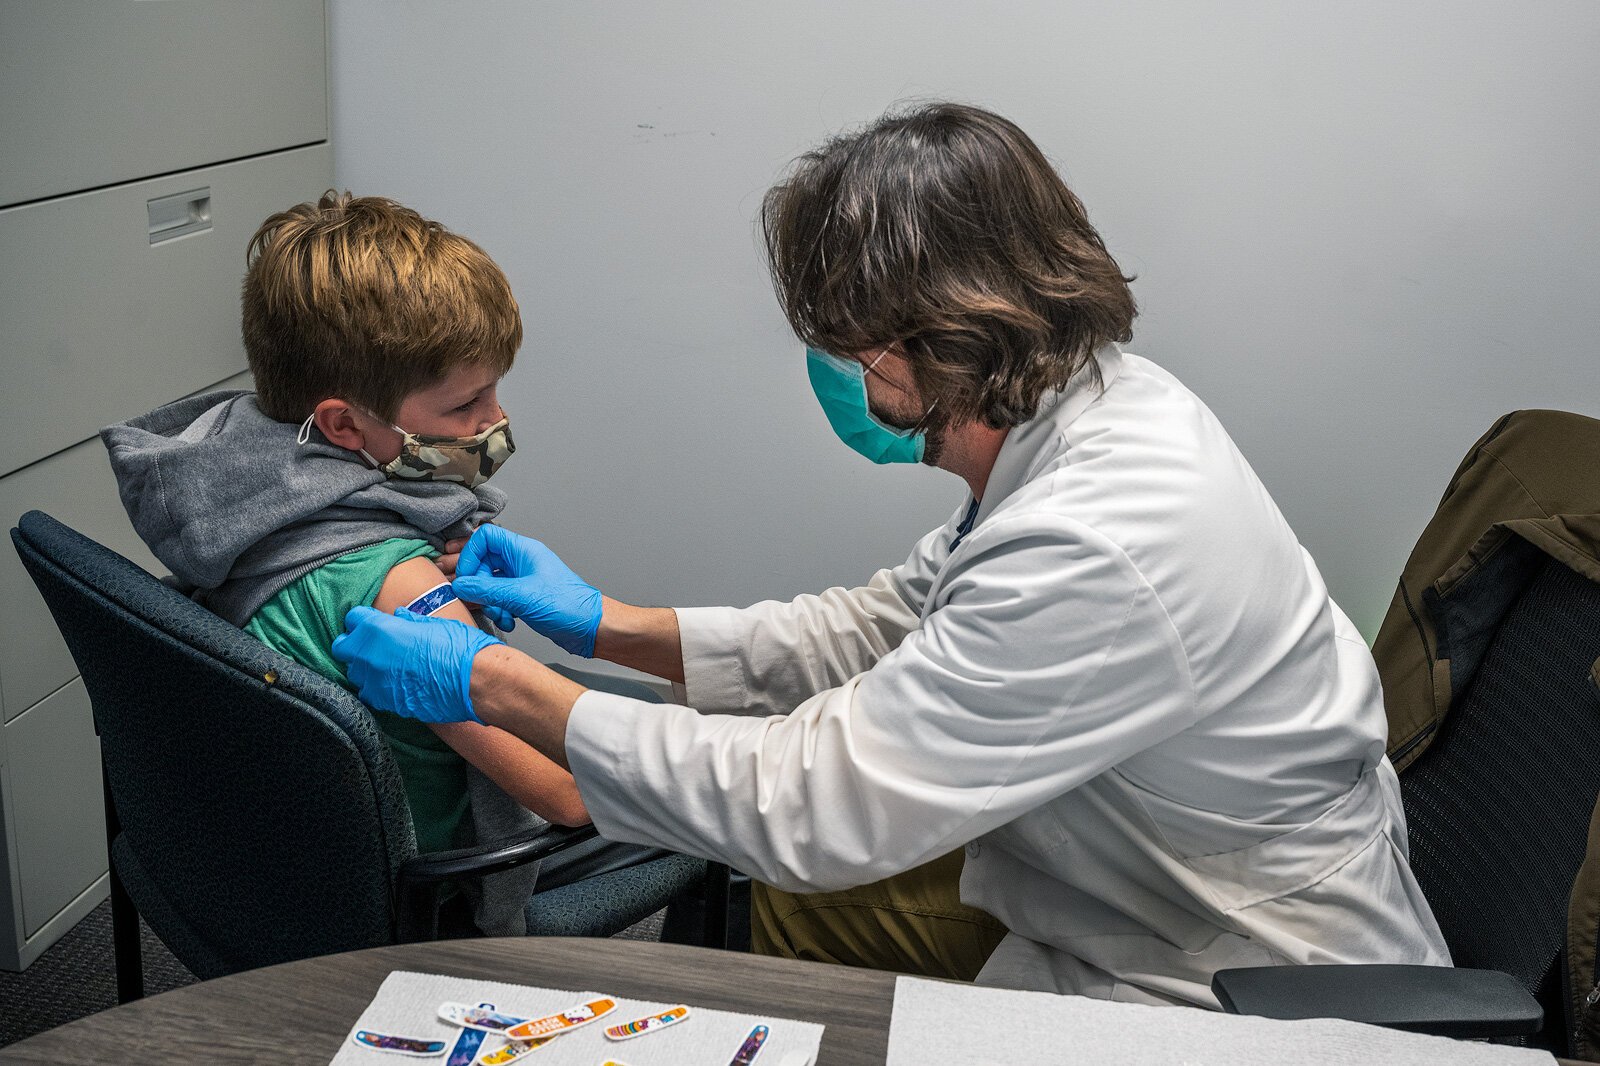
{"x":1362,"y":231}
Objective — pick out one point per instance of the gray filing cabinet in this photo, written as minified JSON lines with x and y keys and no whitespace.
{"x":140,"y":146}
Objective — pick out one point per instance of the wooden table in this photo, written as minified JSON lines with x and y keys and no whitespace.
{"x":301,"y":1012}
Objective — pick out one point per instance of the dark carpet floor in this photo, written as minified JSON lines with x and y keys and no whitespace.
{"x":76,"y":976}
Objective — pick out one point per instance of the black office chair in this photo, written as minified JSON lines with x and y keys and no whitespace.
{"x":254,"y":813}
{"x":1498,"y":805}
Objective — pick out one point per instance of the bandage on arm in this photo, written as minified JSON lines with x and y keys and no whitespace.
{"x":527,"y":776}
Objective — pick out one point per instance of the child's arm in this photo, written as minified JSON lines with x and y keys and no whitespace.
{"x":526,"y":776}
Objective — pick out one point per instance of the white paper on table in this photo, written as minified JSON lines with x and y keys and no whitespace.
{"x":937,"y":1021}
{"x":407,"y":1004}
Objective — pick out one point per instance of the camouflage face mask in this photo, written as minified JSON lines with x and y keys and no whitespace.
{"x":469,"y":460}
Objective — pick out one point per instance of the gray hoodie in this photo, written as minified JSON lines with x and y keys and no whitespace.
{"x":237,"y":510}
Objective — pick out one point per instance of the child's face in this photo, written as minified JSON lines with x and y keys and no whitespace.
{"x":462,"y":404}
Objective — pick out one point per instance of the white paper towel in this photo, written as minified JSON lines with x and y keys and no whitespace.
{"x":936,"y":1021}
{"x":407,"y":1004}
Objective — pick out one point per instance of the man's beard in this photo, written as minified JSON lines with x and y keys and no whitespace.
{"x":932,"y":426}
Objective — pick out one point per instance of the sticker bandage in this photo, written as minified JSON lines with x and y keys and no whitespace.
{"x":433,"y":599}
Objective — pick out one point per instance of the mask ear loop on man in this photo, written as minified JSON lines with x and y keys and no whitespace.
{"x":916,"y":426}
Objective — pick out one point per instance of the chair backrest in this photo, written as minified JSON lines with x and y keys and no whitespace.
{"x":1498,"y":807}
{"x":262,"y":817}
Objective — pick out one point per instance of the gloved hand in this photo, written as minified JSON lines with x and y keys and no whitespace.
{"x":517,"y":577}
{"x":411,"y":665}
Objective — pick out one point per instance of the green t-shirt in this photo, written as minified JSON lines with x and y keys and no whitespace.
{"x":302,"y":621}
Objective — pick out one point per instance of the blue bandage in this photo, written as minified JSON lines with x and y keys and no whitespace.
{"x":433,"y":599}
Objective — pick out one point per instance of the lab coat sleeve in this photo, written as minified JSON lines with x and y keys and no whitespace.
{"x":770,"y":657}
{"x":1046,"y":660}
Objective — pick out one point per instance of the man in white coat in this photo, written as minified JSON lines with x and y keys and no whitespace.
{"x":1113,"y":676}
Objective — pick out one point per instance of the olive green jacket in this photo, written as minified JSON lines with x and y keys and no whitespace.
{"x":1533,"y":479}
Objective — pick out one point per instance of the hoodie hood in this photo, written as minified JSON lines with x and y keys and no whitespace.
{"x":237,"y":509}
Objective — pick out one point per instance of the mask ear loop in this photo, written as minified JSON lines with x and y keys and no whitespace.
{"x":304,"y":437}
{"x":925,"y":414}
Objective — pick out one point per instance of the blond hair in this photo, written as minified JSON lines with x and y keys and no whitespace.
{"x":362,"y":298}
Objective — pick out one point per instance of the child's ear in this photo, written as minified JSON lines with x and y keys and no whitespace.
{"x":338,"y":422}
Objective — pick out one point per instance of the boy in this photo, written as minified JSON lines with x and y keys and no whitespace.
{"x":377,"y":339}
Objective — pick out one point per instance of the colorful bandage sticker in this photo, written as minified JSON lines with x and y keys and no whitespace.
{"x":751,"y":1047}
{"x":467,"y":1044}
{"x":486,"y":1019}
{"x":404,"y":1045}
{"x":653,"y":1023}
{"x":563,"y":1021}
{"x":512,"y":1051}
{"x":465,"y":1048}
{"x":433,"y":599}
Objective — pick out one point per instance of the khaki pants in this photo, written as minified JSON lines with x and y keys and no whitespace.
{"x":912,"y":923}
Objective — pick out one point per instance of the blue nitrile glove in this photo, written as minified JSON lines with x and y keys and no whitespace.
{"x":411,"y":665}
{"x":517,"y":577}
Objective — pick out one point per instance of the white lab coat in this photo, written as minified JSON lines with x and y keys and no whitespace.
{"x":1126,"y":691}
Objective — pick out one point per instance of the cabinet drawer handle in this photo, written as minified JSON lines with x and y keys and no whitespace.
{"x":179,"y":214}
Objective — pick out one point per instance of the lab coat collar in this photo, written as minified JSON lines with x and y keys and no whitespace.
{"x":1019,"y":455}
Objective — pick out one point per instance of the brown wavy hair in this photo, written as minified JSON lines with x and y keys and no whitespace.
{"x":944,"y":229}
{"x":362,"y":298}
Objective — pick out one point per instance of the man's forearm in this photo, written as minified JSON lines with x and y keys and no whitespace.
{"x":524,"y":698}
{"x":641,"y":638}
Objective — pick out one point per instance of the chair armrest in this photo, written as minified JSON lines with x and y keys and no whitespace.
{"x":494,"y":857}
{"x":1441,"y":1000}
{"x":418,"y":879}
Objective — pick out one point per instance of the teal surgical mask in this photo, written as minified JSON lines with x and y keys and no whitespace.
{"x":841,"y":388}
